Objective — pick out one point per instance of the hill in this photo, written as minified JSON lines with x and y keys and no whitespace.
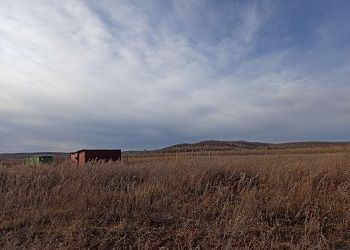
{"x":216,"y":145}
{"x":244,"y":145}
{"x":21,"y":156}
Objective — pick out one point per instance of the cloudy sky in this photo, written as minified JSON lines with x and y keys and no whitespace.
{"x":146,"y":74}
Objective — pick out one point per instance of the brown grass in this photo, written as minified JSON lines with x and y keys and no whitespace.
{"x":290,"y":200}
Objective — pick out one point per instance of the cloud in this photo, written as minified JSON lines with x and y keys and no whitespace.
{"x":143,"y":75}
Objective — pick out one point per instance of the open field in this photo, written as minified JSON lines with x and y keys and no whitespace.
{"x":291,"y":198}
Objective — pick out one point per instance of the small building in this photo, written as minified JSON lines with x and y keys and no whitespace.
{"x":39,"y":159}
{"x":83,"y":156}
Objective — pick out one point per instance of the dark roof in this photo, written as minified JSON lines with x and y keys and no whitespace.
{"x":81,"y":150}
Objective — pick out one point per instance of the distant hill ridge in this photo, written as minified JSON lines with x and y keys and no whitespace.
{"x":240,"y":145}
{"x":218,"y":144}
{"x":5,"y":156}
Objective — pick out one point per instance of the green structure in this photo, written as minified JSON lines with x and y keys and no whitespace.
{"x":37,"y":160}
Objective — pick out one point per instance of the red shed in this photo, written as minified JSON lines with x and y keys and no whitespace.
{"x":85,"y":155}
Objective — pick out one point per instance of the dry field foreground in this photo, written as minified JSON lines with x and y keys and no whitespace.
{"x":290,"y":199}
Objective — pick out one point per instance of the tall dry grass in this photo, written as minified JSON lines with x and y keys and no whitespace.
{"x":278,"y":201}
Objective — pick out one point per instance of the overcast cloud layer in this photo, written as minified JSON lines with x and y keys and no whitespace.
{"x":146,"y":74}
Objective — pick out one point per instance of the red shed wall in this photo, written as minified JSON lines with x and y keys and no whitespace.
{"x":81,"y":158}
{"x":106,"y":155}
{"x":74,"y":157}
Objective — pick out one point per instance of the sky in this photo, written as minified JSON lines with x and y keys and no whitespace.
{"x":148,"y":74}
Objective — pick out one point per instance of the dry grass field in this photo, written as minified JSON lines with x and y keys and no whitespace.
{"x":283,"y":199}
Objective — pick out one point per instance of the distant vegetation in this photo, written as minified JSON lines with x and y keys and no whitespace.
{"x":276,"y":198}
